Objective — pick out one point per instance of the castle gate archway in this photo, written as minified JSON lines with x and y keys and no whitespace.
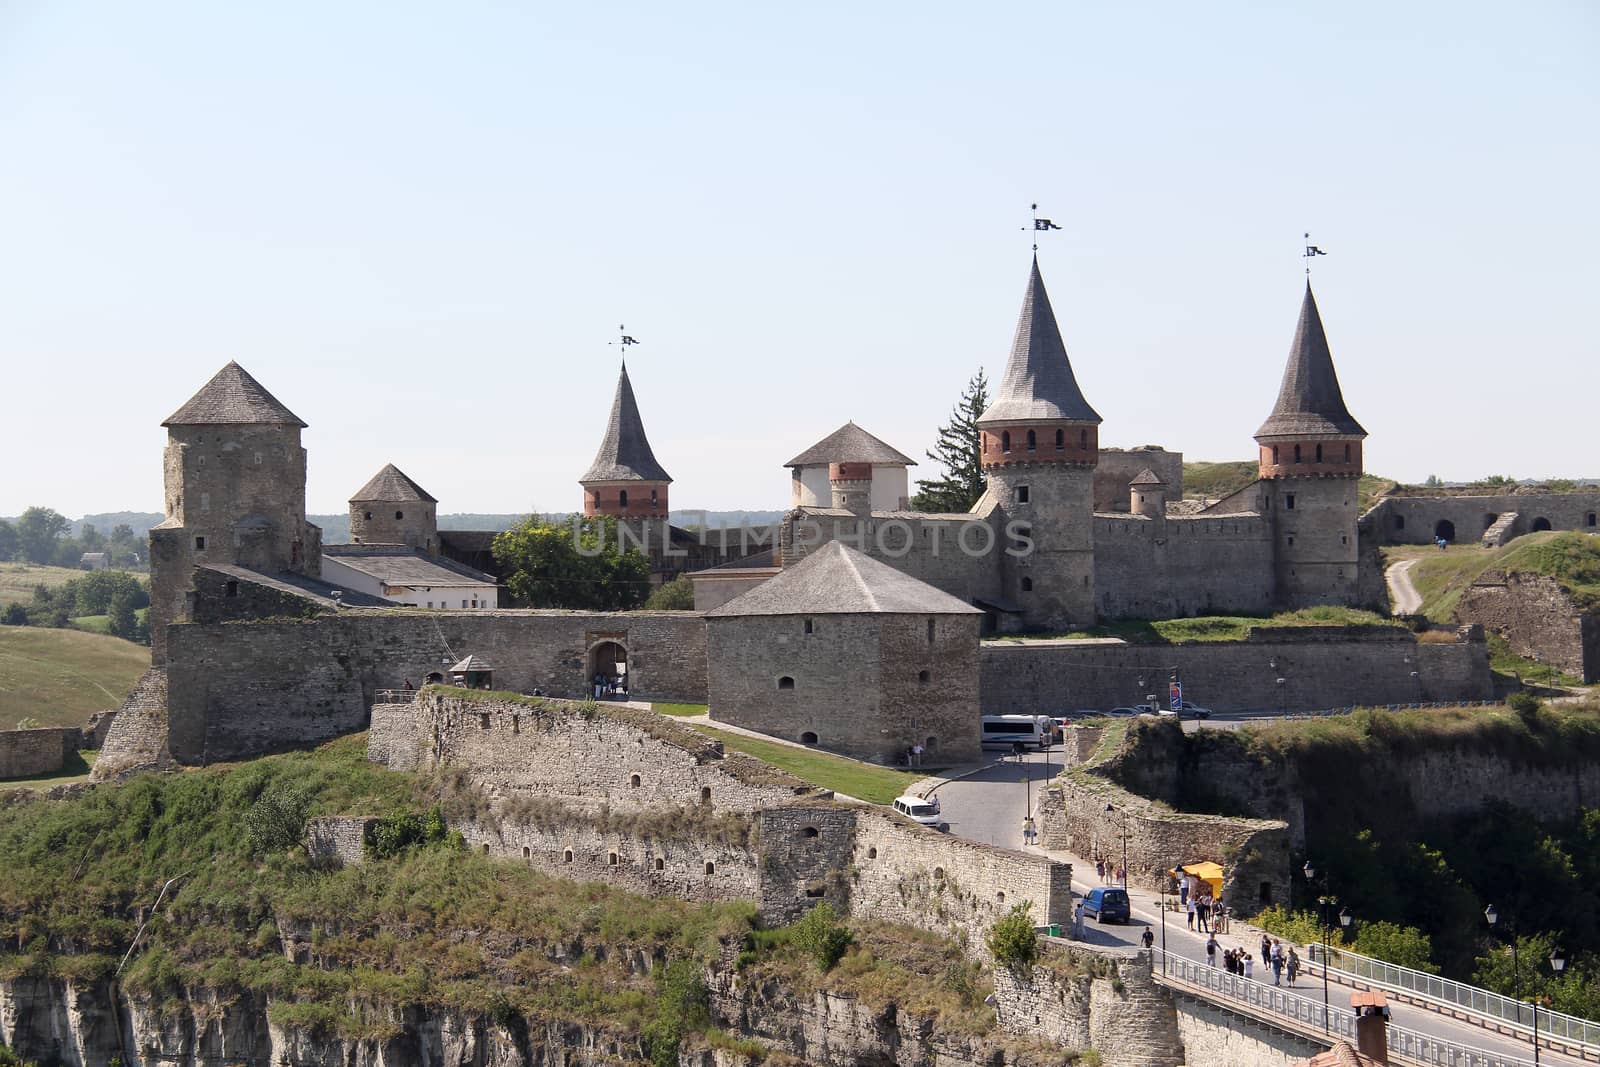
{"x":608,"y":661}
{"x":1541,"y":523}
{"x":1445,"y":528}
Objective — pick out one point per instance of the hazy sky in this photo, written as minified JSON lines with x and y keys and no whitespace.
{"x":420,"y":225}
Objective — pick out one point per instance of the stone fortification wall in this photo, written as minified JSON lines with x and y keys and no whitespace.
{"x":1537,"y":617}
{"x":241,"y":689}
{"x":338,"y":840}
{"x":906,"y":873}
{"x":24,"y":753}
{"x":137,"y":737}
{"x":805,"y":858}
{"x":1202,"y":565}
{"x":588,"y":754}
{"x":1321,"y":667}
{"x":1119,"y":466}
{"x":1213,"y":1035}
{"x":1413,"y":520}
{"x":1081,"y":998}
{"x":1254,"y":853}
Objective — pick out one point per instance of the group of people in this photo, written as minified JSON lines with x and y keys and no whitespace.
{"x":1104,"y":870}
{"x":609,"y":685}
{"x":1274,"y":955}
{"x":1195,"y":897}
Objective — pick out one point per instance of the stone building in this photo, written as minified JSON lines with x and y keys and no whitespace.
{"x":882,"y":467}
{"x":845,"y":652}
{"x":391,"y":509}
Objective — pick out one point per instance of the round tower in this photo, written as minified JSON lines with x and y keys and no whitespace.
{"x":391,"y":509}
{"x":851,"y":487}
{"x":1040,"y":442}
{"x":1147,"y":495}
{"x":625,"y":480}
{"x":235,"y":475}
{"x":1310,"y":464}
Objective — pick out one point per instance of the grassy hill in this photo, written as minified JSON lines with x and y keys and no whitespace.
{"x":1212,"y":481}
{"x":1570,"y":557}
{"x":17,"y":580}
{"x":60,"y":676}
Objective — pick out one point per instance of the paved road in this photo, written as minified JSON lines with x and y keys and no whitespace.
{"x":1403,"y":596}
{"x":989,"y":806}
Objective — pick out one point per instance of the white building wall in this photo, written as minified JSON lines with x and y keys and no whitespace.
{"x":889,"y":488}
{"x":462,"y":593}
{"x":337,"y":574}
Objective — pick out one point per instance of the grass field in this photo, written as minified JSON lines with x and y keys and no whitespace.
{"x":99,"y":624}
{"x":1441,"y":577}
{"x":17,"y":580}
{"x":1214,"y":627}
{"x":60,"y":676}
{"x":680,"y":710}
{"x":877,"y":785}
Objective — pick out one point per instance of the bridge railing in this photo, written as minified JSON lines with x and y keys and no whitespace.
{"x":1313,"y":1018}
{"x":1506,"y":1011}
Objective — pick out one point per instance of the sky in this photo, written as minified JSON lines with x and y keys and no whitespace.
{"x":421,"y":225}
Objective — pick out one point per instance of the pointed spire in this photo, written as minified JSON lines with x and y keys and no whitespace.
{"x":1310,"y":401}
{"x":233,"y":396}
{"x":625,"y":454}
{"x":391,"y":484}
{"x":1039,"y":384}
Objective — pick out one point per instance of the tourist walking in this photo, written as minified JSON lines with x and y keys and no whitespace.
{"x":1077,"y":922}
{"x":1246,"y":964}
{"x":1211,"y":950}
{"x":1100,"y":869}
{"x":1148,"y":938}
{"x":1205,"y":916}
{"x":1277,"y":961}
{"x":1292,"y":965}
{"x":1191,"y":916}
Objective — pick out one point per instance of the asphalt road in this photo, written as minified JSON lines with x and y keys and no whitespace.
{"x":990,"y":806}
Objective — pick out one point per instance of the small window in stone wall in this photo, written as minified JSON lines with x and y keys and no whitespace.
{"x":1319,"y":453}
{"x":816,"y":890}
{"x":611,"y":859}
{"x":809,"y":831}
{"x":1288,"y":501}
{"x":1400,"y":522}
{"x":1000,"y":896}
{"x":930,"y":631}
{"x":1022,"y":494}
{"x":399,"y":514}
{"x":872,"y":853}
{"x":369,"y":516}
{"x":485,"y":848}
{"x":1297,"y":454}
{"x":705,"y":794}
{"x":711,"y":868}
{"x":924,"y":677}
{"x":1274,"y":453}
{"x":232,"y":588}
{"x":1083,"y":438}
{"x":1005,"y":443}
{"x":566,"y":856}
{"x":527,"y":853}
{"x":516,"y":724}
{"x":811,"y":627}
{"x":1347,"y":453}
{"x":1589,"y":519}
{"x":199,"y":544}
{"x":633,"y":781}
{"x":786,"y":682}
{"x":483,"y":720}
{"x":1061,"y":440}
{"x":661,"y":864}
{"x":1027,"y":585}
{"x":938,"y":874}
{"x":808,"y":738}
{"x":1032,"y":441}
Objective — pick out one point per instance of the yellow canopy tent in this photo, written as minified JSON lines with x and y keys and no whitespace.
{"x":1206,"y":872}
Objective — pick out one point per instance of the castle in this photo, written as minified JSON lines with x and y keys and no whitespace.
{"x":859,"y":630}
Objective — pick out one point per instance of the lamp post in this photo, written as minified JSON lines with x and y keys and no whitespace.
{"x":1165,"y":875}
{"x":1112,"y":808}
{"x":1558,"y":963}
{"x":1324,"y":903}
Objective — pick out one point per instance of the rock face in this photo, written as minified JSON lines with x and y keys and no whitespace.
{"x":1537,"y":617}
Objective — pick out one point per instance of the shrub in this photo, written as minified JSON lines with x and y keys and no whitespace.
{"x":819,"y":935}
{"x":1525,"y":704}
{"x":682,"y":1006}
{"x":1405,"y":946}
{"x":400,"y":830}
{"x":277,"y":820}
{"x":676,"y":595}
{"x":1012,"y":940}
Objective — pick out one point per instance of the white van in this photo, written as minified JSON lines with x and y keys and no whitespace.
{"x":1031,"y":731}
{"x":919,"y":809}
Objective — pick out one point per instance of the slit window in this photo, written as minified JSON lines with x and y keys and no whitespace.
{"x":1027,"y":585}
{"x":1022,"y":494}
{"x":1319,"y":453}
{"x":232,"y":588}
{"x":1297,"y":453}
{"x":924,"y":677}
{"x":1061,"y":440}
{"x":811,"y":626}
{"x":1347,"y":453}
{"x":1032,"y":441}
{"x":1288,"y":500}
{"x":622,"y":499}
{"x":931,"y":631}
{"x":199,"y":544}
{"x":1005,"y":442}
{"x":1274,"y":454}
{"x":786,"y":682}
{"x":1083,"y":439}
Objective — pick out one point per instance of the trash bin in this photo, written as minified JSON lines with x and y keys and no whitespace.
{"x":1055,"y":929}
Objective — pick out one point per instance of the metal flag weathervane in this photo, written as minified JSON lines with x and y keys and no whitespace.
{"x":1039,"y":224}
{"x":626,"y":340}
{"x":1311,"y":250}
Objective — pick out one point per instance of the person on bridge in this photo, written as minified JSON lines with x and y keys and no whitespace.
{"x":1277,"y":961}
{"x":1147,"y":937}
{"x":1292,"y":965}
{"x":1211,"y":950}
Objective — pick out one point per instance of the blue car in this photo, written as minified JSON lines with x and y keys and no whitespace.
{"x":1108,"y":904}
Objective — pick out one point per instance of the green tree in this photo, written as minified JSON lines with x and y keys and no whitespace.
{"x":39,"y":530}
{"x":124,"y":622}
{"x":676,"y":595}
{"x":959,"y":450}
{"x":1432,"y":482}
{"x":819,"y":935}
{"x":1012,"y":939}
{"x":577,"y":564}
{"x":1403,"y":945}
{"x":9,"y":542}
{"x":91,"y":539}
{"x":277,"y":820}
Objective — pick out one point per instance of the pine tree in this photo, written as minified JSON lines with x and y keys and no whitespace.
{"x":959,"y":451}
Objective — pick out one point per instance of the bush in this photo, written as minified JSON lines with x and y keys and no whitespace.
{"x":819,"y":935}
{"x":1012,"y":939}
{"x":682,"y":1006}
{"x":676,"y":595}
{"x":1405,"y":946}
{"x":277,"y":820}
{"x":1300,"y":927}
{"x":401,"y":830}
{"x":1525,"y":704}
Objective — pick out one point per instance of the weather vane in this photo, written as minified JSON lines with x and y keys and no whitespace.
{"x":1311,"y":250}
{"x":626,"y":340}
{"x":1039,"y":224}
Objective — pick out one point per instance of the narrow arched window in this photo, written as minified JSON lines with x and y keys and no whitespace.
{"x":1319,"y":453}
{"x":1083,"y":439}
{"x":1005,"y":441}
{"x":1275,"y":455}
{"x":1297,"y":453}
{"x":399,"y":515}
{"x":1027,"y":585}
{"x":654,"y":498}
{"x":1031,"y":441}
{"x":622,"y":499}
{"x":1061,"y":440}
{"x":1347,"y":453}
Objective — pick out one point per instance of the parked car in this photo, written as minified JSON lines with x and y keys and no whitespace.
{"x":1190,"y":711}
{"x":1108,"y":904}
{"x":919,"y":810}
{"x":1126,"y":713}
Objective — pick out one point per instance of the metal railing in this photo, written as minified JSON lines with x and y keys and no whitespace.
{"x":1306,"y":1016}
{"x":394,"y":696}
{"x":1507,"y":1011}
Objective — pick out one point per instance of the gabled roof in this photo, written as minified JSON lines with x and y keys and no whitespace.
{"x":851,"y":444}
{"x":838,"y":580}
{"x":1039,"y":384}
{"x":1147,"y":477}
{"x":391,"y":483}
{"x":625,"y":454}
{"x":233,"y":396}
{"x":471,"y":663}
{"x":1310,"y":401}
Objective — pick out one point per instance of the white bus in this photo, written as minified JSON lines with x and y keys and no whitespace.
{"x":1005,"y":731}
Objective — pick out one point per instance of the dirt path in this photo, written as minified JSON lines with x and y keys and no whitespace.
{"x":1403,"y":596}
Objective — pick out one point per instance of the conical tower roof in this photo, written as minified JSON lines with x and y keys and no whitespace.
{"x":851,"y":444}
{"x":390,"y":484}
{"x":1039,"y":385}
{"x":625,"y":454}
{"x":233,"y":396}
{"x":1310,"y":401}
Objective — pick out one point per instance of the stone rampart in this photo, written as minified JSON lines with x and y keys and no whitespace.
{"x":25,"y":753}
{"x":1319,"y":668}
{"x":1463,"y":518}
{"x":137,"y":737}
{"x":1214,"y":1035}
{"x":1538,"y":618}
{"x":1082,"y":998}
{"x":244,"y":688}
{"x":338,"y":840}
{"x":1254,"y":853}
{"x":1173,"y":566}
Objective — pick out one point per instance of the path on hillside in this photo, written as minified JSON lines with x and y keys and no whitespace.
{"x":988,"y":806}
{"x":1403,"y":596}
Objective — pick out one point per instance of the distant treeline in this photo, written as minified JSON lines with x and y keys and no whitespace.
{"x":116,"y":594}
{"x":46,"y":537}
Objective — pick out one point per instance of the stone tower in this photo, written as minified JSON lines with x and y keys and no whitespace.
{"x":1040,"y":441}
{"x":391,"y":509}
{"x":625,"y":480}
{"x":235,"y":477}
{"x":1310,"y":464}
{"x":1147,"y":495}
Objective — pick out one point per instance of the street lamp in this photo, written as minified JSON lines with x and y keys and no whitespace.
{"x":1325,"y":902}
{"x":1165,"y":876}
{"x":1558,"y":960}
{"x":1112,"y":808}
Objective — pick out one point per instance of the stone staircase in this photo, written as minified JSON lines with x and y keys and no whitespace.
{"x":1499,"y":532}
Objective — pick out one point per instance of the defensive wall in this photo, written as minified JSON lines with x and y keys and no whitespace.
{"x":1159,"y":568}
{"x":24,"y":753}
{"x":243,"y":688}
{"x":1538,"y":619}
{"x":1119,"y":466}
{"x":637,"y":800}
{"x":1274,"y":669}
{"x":960,"y":554}
{"x":1415,"y":520}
